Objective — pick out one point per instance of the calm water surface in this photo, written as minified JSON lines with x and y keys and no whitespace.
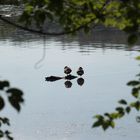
{"x":53,"y":112}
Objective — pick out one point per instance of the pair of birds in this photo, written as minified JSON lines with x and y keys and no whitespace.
{"x":68,"y":70}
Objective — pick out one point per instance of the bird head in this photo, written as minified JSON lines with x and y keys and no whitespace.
{"x":80,"y":68}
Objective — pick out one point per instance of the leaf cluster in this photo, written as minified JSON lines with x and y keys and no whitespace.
{"x":77,"y":14}
{"x":108,"y":119}
{"x":6,"y":133}
{"x":14,"y":95}
{"x":15,"y":98}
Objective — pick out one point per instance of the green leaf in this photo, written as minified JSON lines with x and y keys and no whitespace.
{"x":97,"y":124}
{"x":9,"y":137}
{"x":112,"y":124}
{"x":29,"y":8}
{"x":121,"y":112}
{"x":123,"y":102}
{"x":128,"y":109}
{"x":114,"y":115}
{"x":15,"y":98}
{"x":1,"y":134}
{"x":99,"y":117}
{"x":105,"y":124}
{"x":2,"y":104}
{"x":107,"y":114}
{"x":120,"y":109}
{"x":7,"y":132}
{"x":133,"y":83}
{"x":15,"y":91}
{"x":135,"y":92}
{"x":136,"y":105}
{"x":6,"y":121}
{"x":4,"y":84}
{"x":138,"y":58}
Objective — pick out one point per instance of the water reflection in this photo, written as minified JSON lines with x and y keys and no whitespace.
{"x":100,"y":37}
{"x":39,"y":63}
{"x":68,"y":83}
{"x":80,"y":81}
{"x":15,"y":99}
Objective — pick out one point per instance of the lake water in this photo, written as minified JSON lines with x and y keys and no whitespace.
{"x":50,"y":110}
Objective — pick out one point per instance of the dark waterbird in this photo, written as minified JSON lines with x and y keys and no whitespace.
{"x":80,"y":71}
{"x":67,"y":70}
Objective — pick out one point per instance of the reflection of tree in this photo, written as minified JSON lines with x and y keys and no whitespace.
{"x":15,"y":2}
{"x":108,"y":119}
{"x":15,"y":98}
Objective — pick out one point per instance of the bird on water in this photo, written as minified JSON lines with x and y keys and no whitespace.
{"x":67,"y":70}
{"x":80,"y":71}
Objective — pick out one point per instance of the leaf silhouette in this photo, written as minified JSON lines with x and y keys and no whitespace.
{"x":128,"y":109}
{"x":138,"y":58}
{"x":97,"y":123}
{"x":122,"y":101}
{"x":1,"y":134}
{"x":7,"y":133}
{"x":4,"y":84}
{"x":120,"y":109}
{"x":133,"y":83}
{"x":2,"y":104}
{"x":5,"y":120}
{"x":135,"y":92}
{"x":10,"y":138}
{"x":105,"y":125}
{"x":136,"y":105}
{"x":15,"y":98}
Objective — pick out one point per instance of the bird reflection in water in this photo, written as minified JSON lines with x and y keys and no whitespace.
{"x":68,"y":84}
{"x":80,"y":81}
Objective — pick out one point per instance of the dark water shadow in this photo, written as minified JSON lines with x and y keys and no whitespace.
{"x":67,"y":80}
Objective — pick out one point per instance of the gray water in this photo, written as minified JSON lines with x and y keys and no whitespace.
{"x":53,"y":112}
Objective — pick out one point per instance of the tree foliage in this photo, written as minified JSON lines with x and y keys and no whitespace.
{"x":15,"y":98}
{"x":77,"y":14}
{"x":107,"y":120}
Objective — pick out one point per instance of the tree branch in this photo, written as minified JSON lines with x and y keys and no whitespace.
{"x":45,"y":33}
